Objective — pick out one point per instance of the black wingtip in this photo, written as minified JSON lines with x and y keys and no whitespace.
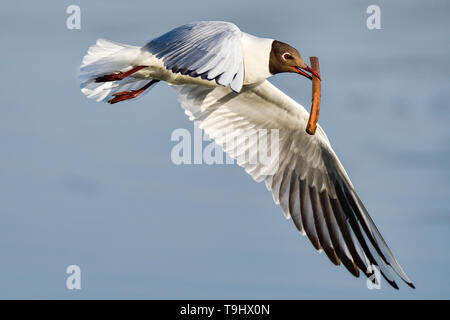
{"x":391,"y":282}
{"x":411,"y":285}
{"x":394,"y":285}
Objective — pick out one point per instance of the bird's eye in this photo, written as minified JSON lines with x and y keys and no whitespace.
{"x":287,"y":56}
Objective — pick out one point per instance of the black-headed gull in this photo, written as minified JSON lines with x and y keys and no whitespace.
{"x":220,"y":74}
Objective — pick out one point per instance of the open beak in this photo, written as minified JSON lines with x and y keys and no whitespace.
{"x":303,"y":73}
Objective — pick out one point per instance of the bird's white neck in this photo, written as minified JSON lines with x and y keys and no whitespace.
{"x":256,"y":58}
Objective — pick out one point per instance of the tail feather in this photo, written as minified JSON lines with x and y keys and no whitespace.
{"x":107,"y":57}
{"x":102,"y":48}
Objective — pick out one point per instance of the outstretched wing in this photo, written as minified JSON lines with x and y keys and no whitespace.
{"x":306,"y":178}
{"x":207,"y":49}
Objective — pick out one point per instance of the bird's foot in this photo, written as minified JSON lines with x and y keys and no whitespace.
{"x":110,"y":77}
{"x":125,"y":95}
{"x":118,"y":75}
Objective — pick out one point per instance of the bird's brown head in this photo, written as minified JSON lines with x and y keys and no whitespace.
{"x":284,"y":58}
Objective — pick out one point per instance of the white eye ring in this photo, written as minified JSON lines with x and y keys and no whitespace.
{"x":286,"y":56}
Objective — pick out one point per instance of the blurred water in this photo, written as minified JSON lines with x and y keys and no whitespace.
{"x":93,"y":185}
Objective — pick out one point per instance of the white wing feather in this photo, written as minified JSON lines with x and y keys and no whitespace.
{"x":308,"y":180}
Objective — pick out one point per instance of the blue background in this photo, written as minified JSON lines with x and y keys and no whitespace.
{"x":92,"y":184}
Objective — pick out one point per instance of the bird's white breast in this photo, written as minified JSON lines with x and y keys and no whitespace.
{"x":256,"y":57}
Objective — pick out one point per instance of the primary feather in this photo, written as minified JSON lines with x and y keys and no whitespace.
{"x":308,"y":180}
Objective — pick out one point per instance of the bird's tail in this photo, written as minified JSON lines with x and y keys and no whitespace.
{"x":106,"y":58}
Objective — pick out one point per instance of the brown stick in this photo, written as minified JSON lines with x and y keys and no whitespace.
{"x":315,"y":105}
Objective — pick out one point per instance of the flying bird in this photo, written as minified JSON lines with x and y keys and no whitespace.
{"x":220,"y":74}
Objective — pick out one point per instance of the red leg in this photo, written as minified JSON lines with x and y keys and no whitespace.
{"x":119,"y":75}
{"x":126,"y":95}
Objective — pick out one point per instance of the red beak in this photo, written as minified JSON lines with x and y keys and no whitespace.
{"x":303,"y":73}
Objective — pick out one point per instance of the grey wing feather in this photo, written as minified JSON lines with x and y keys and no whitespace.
{"x":208,"y":49}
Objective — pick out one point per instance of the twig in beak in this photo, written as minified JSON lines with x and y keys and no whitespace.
{"x":315,"y":105}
